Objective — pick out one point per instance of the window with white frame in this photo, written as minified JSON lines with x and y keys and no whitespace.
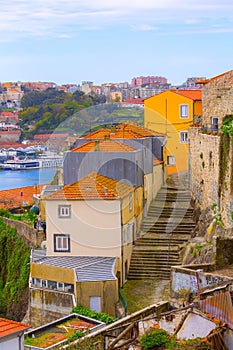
{"x":184,"y":111}
{"x":171,"y":160}
{"x":64,"y":211}
{"x":61,"y":243}
{"x":184,"y":137}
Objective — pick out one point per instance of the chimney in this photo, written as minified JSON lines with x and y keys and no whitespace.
{"x":97,"y":146}
{"x":106,"y":137}
{"x":113,"y":129}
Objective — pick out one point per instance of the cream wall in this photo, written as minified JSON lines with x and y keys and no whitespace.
{"x":158,"y":179}
{"x":94,"y":227}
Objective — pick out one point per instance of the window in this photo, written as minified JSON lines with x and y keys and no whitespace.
{"x":215,"y":124}
{"x":130,"y":202}
{"x":171,"y":160}
{"x":62,"y":243}
{"x":64,"y":211}
{"x":184,"y":111}
{"x":183,"y":137}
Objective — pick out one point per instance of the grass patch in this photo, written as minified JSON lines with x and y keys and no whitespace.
{"x":143,"y":293}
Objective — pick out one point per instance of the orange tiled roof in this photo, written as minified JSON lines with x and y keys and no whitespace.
{"x":93,"y":186}
{"x":15,"y":197}
{"x":127,"y":130}
{"x":104,"y":146}
{"x":12,"y":132}
{"x":8,"y":327}
{"x":7,"y":114}
{"x":192,"y":94}
{"x":15,"y":145}
{"x":46,"y":136}
{"x":157,"y":161}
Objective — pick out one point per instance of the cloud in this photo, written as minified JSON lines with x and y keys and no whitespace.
{"x":144,"y":27}
{"x":66,"y":18}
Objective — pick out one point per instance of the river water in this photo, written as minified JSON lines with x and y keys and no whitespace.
{"x":21,"y":178}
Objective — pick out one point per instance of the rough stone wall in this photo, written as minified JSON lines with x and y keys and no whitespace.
{"x":217,"y":98}
{"x":30,"y":236}
{"x":204,"y":175}
{"x":204,"y":167}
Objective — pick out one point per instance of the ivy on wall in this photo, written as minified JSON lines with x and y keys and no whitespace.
{"x":14,"y":273}
{"x":226,"y":144}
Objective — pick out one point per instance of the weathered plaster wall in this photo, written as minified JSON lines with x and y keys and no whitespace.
{"x":46,"y":306}
{"x":192,"y":279}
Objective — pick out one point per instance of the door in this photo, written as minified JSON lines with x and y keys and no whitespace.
{"x":95,"y":304}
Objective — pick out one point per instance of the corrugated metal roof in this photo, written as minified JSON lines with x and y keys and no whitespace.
{"x":220,"y":306}
{"x":87,"y":268}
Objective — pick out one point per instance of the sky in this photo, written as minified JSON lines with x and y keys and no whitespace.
{"x":68,"y":41}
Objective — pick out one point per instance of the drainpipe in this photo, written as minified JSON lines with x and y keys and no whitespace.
{"x":122,"y":246}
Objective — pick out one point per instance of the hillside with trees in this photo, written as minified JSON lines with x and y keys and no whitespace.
{"x":52,"y":110}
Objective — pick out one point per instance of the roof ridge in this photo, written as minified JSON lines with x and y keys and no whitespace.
{"x":94,"y":262}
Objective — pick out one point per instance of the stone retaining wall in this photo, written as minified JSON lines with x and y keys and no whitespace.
{"x":204,"y":175}
{"x":30,"y":236}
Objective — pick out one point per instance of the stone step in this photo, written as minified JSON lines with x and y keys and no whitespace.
{"x":160,"y":242}
{"x":145,"y":276}
{"x":163,"y":261}
{"x":154,"y":236}
{"x":167,"y":227}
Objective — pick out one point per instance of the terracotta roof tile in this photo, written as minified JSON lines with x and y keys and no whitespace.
{"x":192,"y":94}
{"x":93,"y":186}
{"x":157,"y":161}
{"x":8,"y":327}
{"x":15,"y":197}
{"x":127,"y":130}
{"x":104,"y":146}
{"x":52,"y":135}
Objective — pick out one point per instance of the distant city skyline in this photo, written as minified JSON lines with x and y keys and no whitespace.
{"x":68,"y":41}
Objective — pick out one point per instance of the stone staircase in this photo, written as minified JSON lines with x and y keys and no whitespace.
{"x":166,"y":229}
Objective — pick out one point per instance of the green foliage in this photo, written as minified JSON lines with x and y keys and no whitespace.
{"x":14,"y":273}
{"x":227,"y":126}
{"x":226,"y":143}
{"x":75,"y":335}
{"x":51,"y":110}
{"x":100,"y":316}
{"x":45,"y":111}
{"x":158,"y":337}
{"x":28,"y":216}
{"x":217,"y":216}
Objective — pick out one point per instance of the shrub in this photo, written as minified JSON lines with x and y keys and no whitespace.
{"x":158,"y":337}
{"x":100,"y":316}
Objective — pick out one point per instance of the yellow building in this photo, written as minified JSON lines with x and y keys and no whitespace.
{"x":172,"y":112}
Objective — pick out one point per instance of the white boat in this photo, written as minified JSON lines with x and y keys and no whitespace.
{"x":20,"y":164}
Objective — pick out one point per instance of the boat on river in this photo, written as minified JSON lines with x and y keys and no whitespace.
{"x":20,"y":164}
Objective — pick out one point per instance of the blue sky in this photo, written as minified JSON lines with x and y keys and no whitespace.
{"x":67,"y":41}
